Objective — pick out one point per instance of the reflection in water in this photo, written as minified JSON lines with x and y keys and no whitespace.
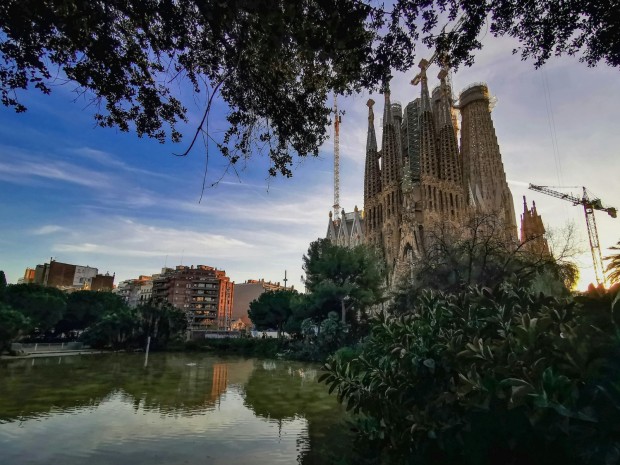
{"x":180,"y":409}
{"x":220,"y":380}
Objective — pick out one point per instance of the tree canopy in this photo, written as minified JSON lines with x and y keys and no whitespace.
{"x":483,"y":252}
{"x":43,"y":306}
{"x":352,"y":276}
{"x":273,"y":63}
{"x":272,"y":309}
{"x":613,"y":265}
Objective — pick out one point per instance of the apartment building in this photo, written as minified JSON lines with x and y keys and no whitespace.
{"x":204,"y":292}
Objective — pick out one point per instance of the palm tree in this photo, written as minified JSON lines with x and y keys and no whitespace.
{"x":613,"y":267}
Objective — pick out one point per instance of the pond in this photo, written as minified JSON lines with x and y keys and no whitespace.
{"x":180,"y":409}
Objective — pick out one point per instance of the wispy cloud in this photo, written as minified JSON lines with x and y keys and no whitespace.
{"x":125,"y":237}
{"x":21,"y":167}
{"x":112,"y":161}
{"x":47,"y":229}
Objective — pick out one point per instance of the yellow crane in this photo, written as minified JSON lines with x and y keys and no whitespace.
{"x":589,"y":205}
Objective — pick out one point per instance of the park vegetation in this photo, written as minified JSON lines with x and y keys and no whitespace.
{"x":342,"y":285}
{"x":484,"y":354}
{"x":99,"y":319}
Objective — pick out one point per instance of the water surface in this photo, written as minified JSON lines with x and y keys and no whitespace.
{"x":181,"y":409}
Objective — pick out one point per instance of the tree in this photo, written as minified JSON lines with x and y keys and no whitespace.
{"x":12,"y":324}
{"x":482,"y":252}
{"x":274,"y":63}
{"x":43,"y":306}
{"x":162,"y":322}
{"x":272,"y":309}
{"x":2,"y":284}
{"x":488,"y":376}
{"x":613,"y":266}
{"x":84,"y":308}
{"x":116,"y":328}
{"x":350,"y":275}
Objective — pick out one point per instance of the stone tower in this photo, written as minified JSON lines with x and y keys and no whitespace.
{"x":483,"y":171}
{"x":373,"y":214}
{"x":533,"y":231}
{"x":390,"y":195}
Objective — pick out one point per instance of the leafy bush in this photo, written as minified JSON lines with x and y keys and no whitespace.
{"x":488,"y":376}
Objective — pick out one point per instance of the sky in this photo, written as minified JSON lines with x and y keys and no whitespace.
{"x":125,"y":205}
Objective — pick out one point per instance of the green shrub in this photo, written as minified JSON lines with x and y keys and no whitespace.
{"x":347,"y":354}
{"x":488,"y":376}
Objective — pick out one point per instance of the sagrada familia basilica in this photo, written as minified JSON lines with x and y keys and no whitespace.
{"x":422,"y":176}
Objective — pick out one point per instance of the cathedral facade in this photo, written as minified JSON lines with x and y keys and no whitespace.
{"x":421,"y":175}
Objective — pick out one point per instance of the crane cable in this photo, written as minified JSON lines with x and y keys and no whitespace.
{"x":552,"y":128}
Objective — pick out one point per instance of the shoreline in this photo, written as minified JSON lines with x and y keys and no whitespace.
{"x":54,"y":354}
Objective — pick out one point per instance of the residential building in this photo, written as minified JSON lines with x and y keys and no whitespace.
{"x":136,"y":291}
{"x":204,"y":292}
{"x":69,"y":277}
{"x":247,"y":292}
{"x":28,"y":276}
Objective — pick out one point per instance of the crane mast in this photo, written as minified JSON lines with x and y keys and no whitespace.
{"x":337,"y":121}
{"x":589,"y":205}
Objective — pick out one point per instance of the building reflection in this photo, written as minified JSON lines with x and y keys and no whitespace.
{"x":220,"y":381}
{"x":31,"y":388}
{"x":277,"y":393}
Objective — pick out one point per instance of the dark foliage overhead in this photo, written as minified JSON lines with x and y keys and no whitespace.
{"x":274,"y":63}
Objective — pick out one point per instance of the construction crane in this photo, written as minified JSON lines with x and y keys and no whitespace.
{"x":589,"y":205}
{"x":337,"y":121}
{"x":424,"y":64}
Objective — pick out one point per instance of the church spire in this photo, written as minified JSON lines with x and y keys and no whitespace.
{"x":387,"y":110}
{"x":390,"y":167}
{"x":426,"y":99}
{"x":428,"y":155}
{"x":371,"y":139}
{"x":372,"y":176}
{"x":372,"y":183}
{"x":449,"y":159}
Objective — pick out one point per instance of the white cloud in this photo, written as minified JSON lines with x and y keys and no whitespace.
{"x":112,"y":161}
{"x":125,"y":237}
{"x":47,"y":229}
{"x":21,"y":167}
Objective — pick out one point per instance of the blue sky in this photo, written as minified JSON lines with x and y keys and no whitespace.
{"x":99,"y":197}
